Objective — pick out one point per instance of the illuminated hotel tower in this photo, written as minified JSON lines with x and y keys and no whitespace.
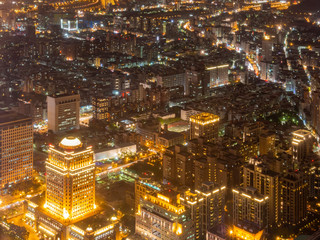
{"x":204,"y":125}
{"x":70,"y":180}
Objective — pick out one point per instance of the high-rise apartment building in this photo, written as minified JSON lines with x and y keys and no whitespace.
{"x":204,"y":125}
{"x":100,"y":107}
{"x":218,"y":75}
{"x":200,"y":172}
{"x":249,"y":207}
{"x":267,"y":143}
{"x":16,"y":148}
{"x":294,"y":194}
{"x":162,"y":216}
{"x":269,"y":71}
{"x":70,"y":171}
{"x":207,"y":207}
{"x":267,"y":183}
{"x":267,"y":46}
{"x":169,"y":164}
{"x":184,"y":167}
{"x":63,"y":112}
{"x":302,"y":143}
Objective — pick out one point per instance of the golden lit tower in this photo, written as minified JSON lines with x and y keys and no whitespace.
{"x":204,"y":125}
{"x":302,"y":143}
{"x":70,"y":178}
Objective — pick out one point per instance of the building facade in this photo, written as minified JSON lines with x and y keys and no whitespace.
{"x":100,"y":108}
{"x":207,"y":207}
{"x":294,"y":195}
{"x":16,"y":149}
{"x":63,"y":112}
{"x":302,"y":143}
{"x":267,"y":183}
{"x":70,"y":180}
{"x":204,"y":125}
{"x":162,"y":216}
{"x":249,"y":207}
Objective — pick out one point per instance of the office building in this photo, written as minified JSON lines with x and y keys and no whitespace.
{"x":162,"y":216}
{"x":70,"y":171}
{"x":294,"y":194}
{"x":204,"y":125}
{"x":249,"y":207}
{"x":63,"y":112}
{"x":267,"y":183}
{"x":168,"y":80}
{"x":207,"y":207}
{"x":269,"y":71}
{"x":16,"y":148}
{"x":100,"y":108}
{"x":185,"y":114}
{"x":218,"y":75}
{"x":68,"y":210}
{"x":302,"y":143}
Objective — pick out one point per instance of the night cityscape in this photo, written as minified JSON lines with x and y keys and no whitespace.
{"x":160,"y":120}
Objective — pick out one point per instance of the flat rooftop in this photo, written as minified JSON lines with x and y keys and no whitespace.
{"x":11,"y":116}
{"x":98,"y":220}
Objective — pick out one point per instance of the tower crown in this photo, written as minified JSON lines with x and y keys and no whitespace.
{"x":70,"y":143}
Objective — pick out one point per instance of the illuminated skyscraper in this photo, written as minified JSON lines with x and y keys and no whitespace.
{"x":267,"y":183}
{"x":302,"y":143}
{"x":69,"y":208}
{"x":162,"y":216}
{"x":16,"y":148}
{"x":63,"y":112}
{"x":294,"y":194}
{"x":249,"y":207}
{"x":204,"y":125}
{"x":207,"y":207}
{"x":70,"y":179}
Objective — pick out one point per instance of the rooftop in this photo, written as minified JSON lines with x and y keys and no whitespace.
{"x":204,"y":118}
{"x":98,"y":220}
{"x":170,"y":135}
{"x":70,"y":143}
{"x":10,"y":116}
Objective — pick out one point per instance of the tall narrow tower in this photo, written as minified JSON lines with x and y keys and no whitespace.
{"x":204,"y":125}
{"x":70,"y":175}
